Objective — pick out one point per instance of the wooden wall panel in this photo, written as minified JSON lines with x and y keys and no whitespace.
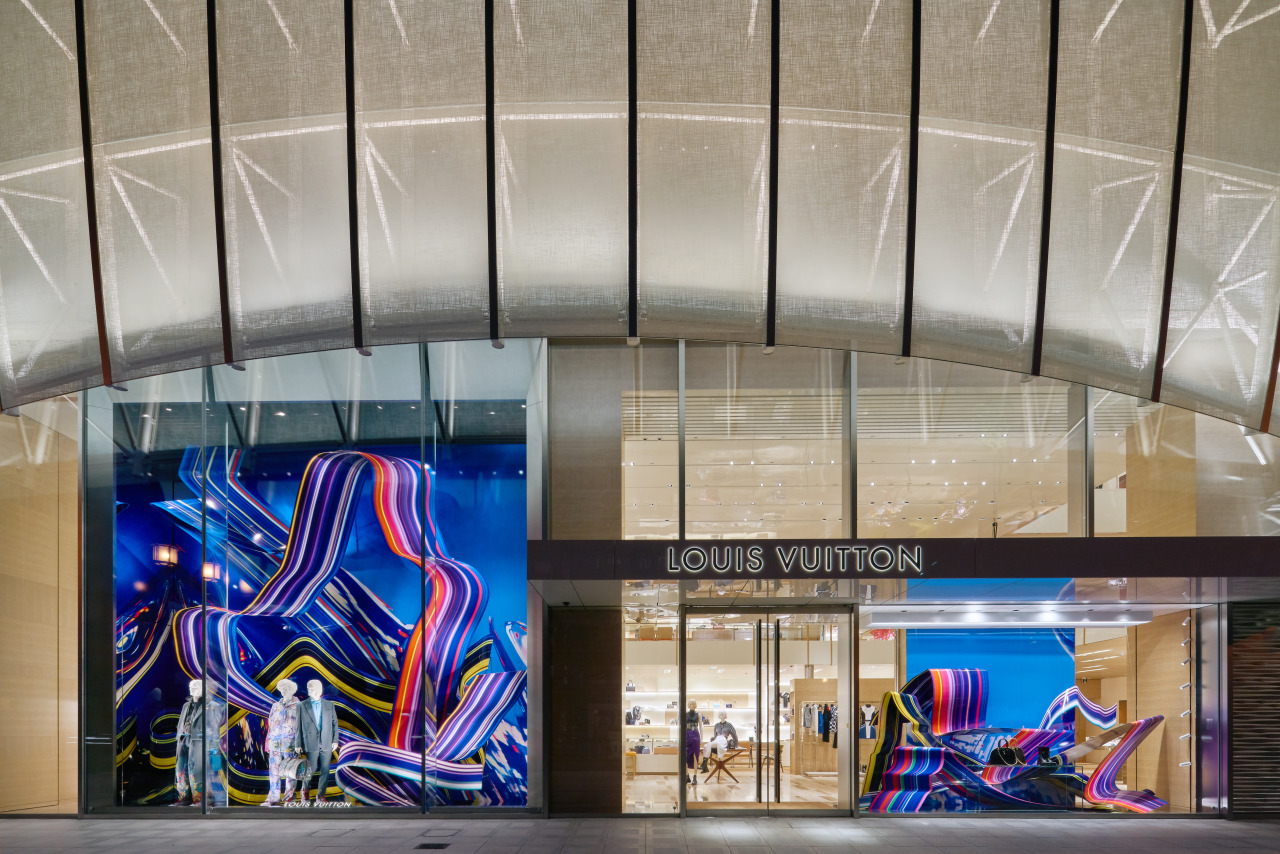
{"x":39,"y":606}
{"x":1158,"y":675}
{"x":584,"y":716}
{"x":1161,"y":479}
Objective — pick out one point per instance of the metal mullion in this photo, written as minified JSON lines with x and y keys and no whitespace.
{"x":1046,"y":208}
{"x":680,"y":716}
{"x":775,"y":86}
{"x":90,"y":196}
{"x":913,"y":174}
{"x":759,"y":708}
{"x":219,"y":203}
{"x":1175,"y":202}
{"x":683,"y":496}
{"x":777,"y":725}
{"x":490,"y":135}
{"x":353,"y":199}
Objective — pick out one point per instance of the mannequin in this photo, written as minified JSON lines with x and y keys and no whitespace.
{"x":692,"y":741}
{"x":723,"y":738}
{"x":198,"y":732}
{"x":317,"y":737}
{"x":282,"y":728}
{"x":868,"y":718}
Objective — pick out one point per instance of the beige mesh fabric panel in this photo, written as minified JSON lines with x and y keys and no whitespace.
{"x":842,"y":176}
{"x":703,"y":83}
{"x":983,"y":95}
{"x":421,"y":170}
{"x":48,"y":327}
{"x":153,"y":167}
{"x":282,"y":96}
{"x":1117,"y":115}
{"x":561,"y":103}
{"x":1222,"y":317}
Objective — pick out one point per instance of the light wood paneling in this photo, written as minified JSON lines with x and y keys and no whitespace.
{"x":39,"y":600}
{"x":1161,"y":480}
{"x":1158,"y":677}
{"x":808,"y":751}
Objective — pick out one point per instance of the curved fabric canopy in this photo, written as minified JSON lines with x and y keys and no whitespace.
{"x":277,"y":176}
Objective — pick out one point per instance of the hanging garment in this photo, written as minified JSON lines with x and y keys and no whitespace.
{"x":868,"y":718}
{"x":823,"y":717}
{"x":806,"y":717}
{"x":786,"y":700}
{"x":831,"y":725}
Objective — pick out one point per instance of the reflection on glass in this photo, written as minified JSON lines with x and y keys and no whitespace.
{"x":311,"y":612}
{"x":764,"y":453}
{"x":947,"y":450}
{"x":970,"y":708}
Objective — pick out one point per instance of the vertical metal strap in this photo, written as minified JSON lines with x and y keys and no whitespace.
{"x":682,"y":497}
{"x":775,"y":74}
{"x":90,"y":196}
{"x":759,"y":662}
{"x":633,"y":178}
{"x":353,"y":199}
{"x":1175,"y":200}
{"x":1046,"y":208}
{"x":423,"y":403}
{"x":219,"y":204}
{"x":849,"y":529}
{"x":491,"y":153}
{"x":680,"y":714}
{"x":777,"y":724}
{"x":913,"y":174}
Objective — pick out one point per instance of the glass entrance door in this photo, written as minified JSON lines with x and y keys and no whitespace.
{"x":762,"y":700}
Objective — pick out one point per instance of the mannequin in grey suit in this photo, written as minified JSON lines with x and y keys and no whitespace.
{"x":317,"y":737}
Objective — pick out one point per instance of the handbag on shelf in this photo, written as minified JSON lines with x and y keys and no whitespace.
{"x":1006,"y":755}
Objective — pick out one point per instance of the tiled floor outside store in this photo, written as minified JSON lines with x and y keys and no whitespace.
{"x":641,"y":836}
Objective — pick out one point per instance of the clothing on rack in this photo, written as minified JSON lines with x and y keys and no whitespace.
{"x":831,"y":725}
{"x":824,"y":716}
{"x":806,"y":716}
{"x":868,"y":719}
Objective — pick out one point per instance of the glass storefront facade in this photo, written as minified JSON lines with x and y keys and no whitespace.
{"x":359,"y":527}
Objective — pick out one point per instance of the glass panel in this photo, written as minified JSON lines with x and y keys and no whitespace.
{"x":1160,"y":471}
{"x":50,"y":331}
{"x":653,"y":761}
{"x":317,"y":460}
{"x":1117,"y":113}
{"x":282,"y":98}
{"x":614,"y":457}
{"x":811,"y":710}
{"x":421,"y":156}
{"x":983,"y":87}
{"x":1222,"y":318}
{"x":763,"y":443}
{"x":723,"y":721}
{"x":842,"y":175}
{"x":947,"y":450}
{"x":1099,"y":705}
{"x":703,"y":76}
{"x":153,"y":169}
{"x":561,"y":101}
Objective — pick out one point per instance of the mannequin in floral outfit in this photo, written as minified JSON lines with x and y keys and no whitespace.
{"x":282,"y":726}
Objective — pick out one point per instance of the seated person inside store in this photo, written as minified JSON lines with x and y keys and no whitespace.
{"x":723,"y":738}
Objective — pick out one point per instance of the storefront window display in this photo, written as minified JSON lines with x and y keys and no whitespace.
{"x":315,"y":563}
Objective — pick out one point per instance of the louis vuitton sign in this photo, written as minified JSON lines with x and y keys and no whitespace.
{"x":795,"y":560}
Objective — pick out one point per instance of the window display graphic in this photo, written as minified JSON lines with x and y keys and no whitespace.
{"x":325,"y":589}
{"x":935,"y":753}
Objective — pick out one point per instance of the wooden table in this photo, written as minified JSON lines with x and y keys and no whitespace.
{"x":721,"y":763}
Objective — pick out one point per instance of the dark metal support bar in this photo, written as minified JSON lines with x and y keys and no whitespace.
{"x":913,"y":172}
{"x":353,"y":200}
{"x":633,"y":178}
{"x":219,"y":204}
{"x":775,"y":87}
{"x":1175,"y":198}
{"x":491,"y":152}
{"x":1046,"y":208}
{"x":90,"y":196}
{"x":683,"y":497}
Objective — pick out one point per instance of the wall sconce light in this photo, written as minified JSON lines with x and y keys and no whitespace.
{"x":165,"y":555}
{"x":212,"y":572}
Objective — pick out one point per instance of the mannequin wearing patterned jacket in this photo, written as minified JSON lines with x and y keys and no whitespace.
{"x":282,"y":729}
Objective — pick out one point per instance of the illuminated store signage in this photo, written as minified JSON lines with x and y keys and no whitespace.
{"x":795,"y":559}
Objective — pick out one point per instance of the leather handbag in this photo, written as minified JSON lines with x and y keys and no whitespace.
{"x":293,"y":767}
{"x":1006,"y":755}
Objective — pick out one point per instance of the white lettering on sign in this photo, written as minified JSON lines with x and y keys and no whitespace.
{"x":808,"y":560}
